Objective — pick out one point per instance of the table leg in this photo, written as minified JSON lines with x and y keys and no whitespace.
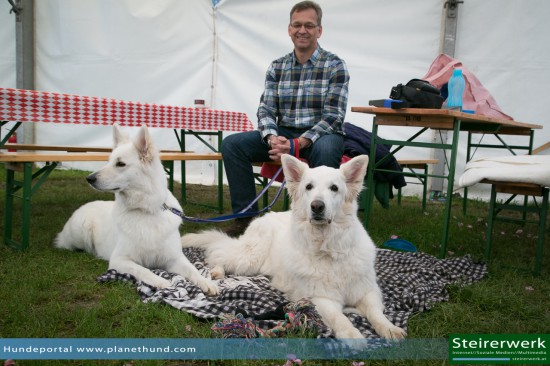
{"x":450,"y":184}
{"x":220,"y":174}
{"x":198,"y":135}
{"x":369,"y":193}
{"x":468,"y":157}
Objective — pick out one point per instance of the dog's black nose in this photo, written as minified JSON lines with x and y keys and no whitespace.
{"x":91,"y":178}
{"x":317,"y":206}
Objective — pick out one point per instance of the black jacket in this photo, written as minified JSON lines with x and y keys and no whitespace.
{"x":357,"y":142}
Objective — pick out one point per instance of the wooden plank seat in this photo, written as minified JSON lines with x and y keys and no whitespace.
{"x":32,"y":157}
{"x":24,"y":158}
{"x":20,"y":153}
{"x":496,"y":207}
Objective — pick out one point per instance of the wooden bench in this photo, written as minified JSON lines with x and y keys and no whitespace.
{"x":24,"y":158}
{"x":514,"y":189}
{"x":411,"y":164}
{"x":48,"y":153}
{"x":30,"y":157}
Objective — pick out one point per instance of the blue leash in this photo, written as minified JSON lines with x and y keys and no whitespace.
{"x":242,"y":213}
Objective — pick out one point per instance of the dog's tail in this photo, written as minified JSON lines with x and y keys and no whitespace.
{"x":205,"y":239}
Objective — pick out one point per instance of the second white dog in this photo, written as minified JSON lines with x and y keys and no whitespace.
{"x":317,"y":250}
{"x":134,"y":232}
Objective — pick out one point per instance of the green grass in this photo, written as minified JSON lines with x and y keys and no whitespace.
{"x":47,"y":292}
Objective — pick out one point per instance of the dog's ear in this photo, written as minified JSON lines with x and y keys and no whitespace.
{"x":119,"y":137}
{"x":354,"y":171}
{"x":293,"y":168}
{"x":144,"y":144}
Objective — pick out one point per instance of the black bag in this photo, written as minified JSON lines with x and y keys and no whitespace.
{"x":416,"y":93}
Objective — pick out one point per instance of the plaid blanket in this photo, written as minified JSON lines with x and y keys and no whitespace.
{"x":410,"y":283}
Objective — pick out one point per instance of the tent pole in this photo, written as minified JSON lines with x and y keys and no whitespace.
{"x":447,"y":46}
{"x":24,"y":50}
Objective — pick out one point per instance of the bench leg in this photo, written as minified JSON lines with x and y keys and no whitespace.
{"x":8,"y":205}
{"x":169,"y":169}
{"x":265,"y":198}
{"x":424,"y":187}
{"x":27,"y":190}
{"x":490,"y":222}
{"x":399,"y":196}
{"x":12,"y":186}
{"x":541,"y":211}
{"x":542,"y":230}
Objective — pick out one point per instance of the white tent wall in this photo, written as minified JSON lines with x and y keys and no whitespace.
{"x":174,"y":51}
{"x":7,"y":51}
{"x":155,"y":52}
{"x":503,"y":43}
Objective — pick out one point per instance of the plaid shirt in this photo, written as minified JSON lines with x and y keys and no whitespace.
{"x":311,"y":96}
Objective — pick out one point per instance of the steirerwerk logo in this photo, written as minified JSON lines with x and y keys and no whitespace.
{"x":499,"y":348}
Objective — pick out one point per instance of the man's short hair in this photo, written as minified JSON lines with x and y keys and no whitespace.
{"x":304,"y":5}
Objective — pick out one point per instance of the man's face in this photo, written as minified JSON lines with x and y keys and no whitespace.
{"x":304,"y":30}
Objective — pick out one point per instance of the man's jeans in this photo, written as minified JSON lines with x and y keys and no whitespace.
{"x":240,"y":150}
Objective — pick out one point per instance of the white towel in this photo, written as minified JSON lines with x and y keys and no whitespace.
{"x":518,"y":169}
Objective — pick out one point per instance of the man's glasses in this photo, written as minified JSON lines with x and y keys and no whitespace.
{"x":307,"y":26}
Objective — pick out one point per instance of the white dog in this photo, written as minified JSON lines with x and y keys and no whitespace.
{"x":134,"y":232}
{"x":317,"y":250}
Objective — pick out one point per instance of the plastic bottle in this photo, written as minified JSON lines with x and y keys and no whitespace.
{"x":12,"y":140}
{"x":456,"y":90}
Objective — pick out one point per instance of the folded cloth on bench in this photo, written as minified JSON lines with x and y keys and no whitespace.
{"x":410,"y":282}
{"x":519,"y":169}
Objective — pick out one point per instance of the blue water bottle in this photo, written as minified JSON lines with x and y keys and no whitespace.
{"x":456,"y":90}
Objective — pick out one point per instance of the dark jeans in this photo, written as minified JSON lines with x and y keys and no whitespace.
{"x":240,"y":150}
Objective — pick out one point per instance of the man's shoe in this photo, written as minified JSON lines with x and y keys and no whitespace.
{"x":239,"y":226}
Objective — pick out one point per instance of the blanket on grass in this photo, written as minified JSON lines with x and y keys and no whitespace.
{"x":251,"y":307}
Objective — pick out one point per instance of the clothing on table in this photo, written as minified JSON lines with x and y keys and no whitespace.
{"x":476,"y":97}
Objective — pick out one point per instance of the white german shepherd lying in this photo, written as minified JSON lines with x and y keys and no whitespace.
{"x":133,"y":232}
{"x":317,"y":250}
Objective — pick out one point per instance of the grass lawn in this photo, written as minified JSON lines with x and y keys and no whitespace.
{"x":46,"y":292}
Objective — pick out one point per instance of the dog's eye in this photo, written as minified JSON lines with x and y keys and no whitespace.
{"x":334,"y":188}
{"x":309,"y":187}
{"x":120,"y":164}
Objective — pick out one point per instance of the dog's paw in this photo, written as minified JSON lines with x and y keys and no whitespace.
{"x":217,"y":273}
{"x":392,"y":332}
{"x":161,"y":283}
{"x":208,"y":287}
{"x":349,"y":333}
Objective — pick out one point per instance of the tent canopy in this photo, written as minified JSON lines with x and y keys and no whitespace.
{"x":172,"y":52}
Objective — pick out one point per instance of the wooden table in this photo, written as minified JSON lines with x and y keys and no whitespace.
{"x":442,"y":119}
{"x":31,"y":106}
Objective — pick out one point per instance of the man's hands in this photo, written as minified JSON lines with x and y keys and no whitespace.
{"x":281,"y":145}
